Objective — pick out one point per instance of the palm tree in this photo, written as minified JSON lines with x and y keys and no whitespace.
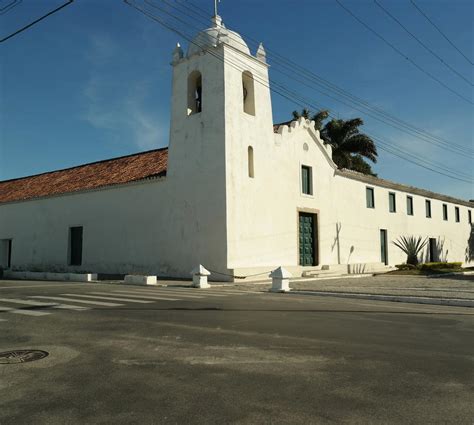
{"x":350,"y":148}
{"x":318,"y":117}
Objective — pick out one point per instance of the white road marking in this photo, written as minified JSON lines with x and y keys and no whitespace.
{"x":108,"y":298}
{"x":129,"y":294}
{"x":41,"y":286}
{"x":25,"y":312}
{"x":78,"y":301}
{"x":190,"y":293}
{"x":42,"y":304}
{"x":159,"y":293}
{"x":210,"y":291}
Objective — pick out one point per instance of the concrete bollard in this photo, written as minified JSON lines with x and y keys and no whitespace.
{"x":280,"y":280}
{"x":200,"y":277}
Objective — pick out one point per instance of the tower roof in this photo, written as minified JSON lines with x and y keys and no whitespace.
{"x":215,"y":35}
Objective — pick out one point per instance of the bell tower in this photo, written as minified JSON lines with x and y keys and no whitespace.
{"x":220,"y":117}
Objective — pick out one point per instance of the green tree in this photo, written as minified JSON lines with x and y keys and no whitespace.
{"x":318,"y":118}
{"x":350,"y":148}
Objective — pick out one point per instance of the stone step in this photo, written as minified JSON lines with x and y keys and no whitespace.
{"x":321,"y":273}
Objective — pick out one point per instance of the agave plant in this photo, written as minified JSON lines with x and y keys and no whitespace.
{"x":411,"y":246}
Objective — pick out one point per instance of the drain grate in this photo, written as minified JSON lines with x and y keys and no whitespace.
{"x":22,"y":356}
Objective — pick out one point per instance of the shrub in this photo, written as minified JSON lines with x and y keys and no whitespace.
{"x":405,"y":266}
{"x":411,"y":246}
{"x":439,"y":265}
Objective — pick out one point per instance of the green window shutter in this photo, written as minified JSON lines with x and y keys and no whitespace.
{"x":445,"y":212}
{"x":306,"y":180}
{"x":409,"y":205}
{"x":369,"y":192}
{"x":391,"y":201}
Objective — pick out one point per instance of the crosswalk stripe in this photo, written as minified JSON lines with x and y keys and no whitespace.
{"x":42,"y":304}
{"x":193,"y":294}
{"x":211,"y":290}
{"x":164,"y":294}
{"x":192,"y":288}
{"x":220,"y":293}
{"x":232,"y":291}
{"x":25,"y":312}
{"x":109,"y":298}
{"x":207,"y":291}
{"x":151,"y":297}
{"x":78,"y":301}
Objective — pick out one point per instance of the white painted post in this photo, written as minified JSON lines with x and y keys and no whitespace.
{"x":280,"y":280}
{"x":200,"y":277}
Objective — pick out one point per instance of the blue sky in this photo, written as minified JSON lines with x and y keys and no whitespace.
{"x":93,"y":81}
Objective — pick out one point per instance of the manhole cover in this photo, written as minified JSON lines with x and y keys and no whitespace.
{"x":22,"y":356}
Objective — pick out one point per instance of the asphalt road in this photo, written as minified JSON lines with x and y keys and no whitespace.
{"x":224,"y":356}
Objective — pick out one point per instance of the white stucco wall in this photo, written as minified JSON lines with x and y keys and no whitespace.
{"x":265,"y":210}
{"x":134,"y":228}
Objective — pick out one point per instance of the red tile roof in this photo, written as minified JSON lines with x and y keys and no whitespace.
{"x":109,"y":172}
{"x":276,"y":127}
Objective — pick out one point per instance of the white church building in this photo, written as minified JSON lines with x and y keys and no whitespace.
{"x":233,"y":192}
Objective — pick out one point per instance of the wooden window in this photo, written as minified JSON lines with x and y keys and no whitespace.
{"x":445,"y":212}
{"x":75,"y":246}
{"x":306,"y":180}
{"x":250,"y":162}
{"x":409,"y":205}
{"x":456,"y":214}
{"x":428,"y":208}
{"x":369,"y":195}
{"x":392,"y":206}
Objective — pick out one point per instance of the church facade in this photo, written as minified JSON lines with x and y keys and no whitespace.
{"x":232,"y":191}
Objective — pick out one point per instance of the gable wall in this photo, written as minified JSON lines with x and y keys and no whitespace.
{"x":263,"y":231}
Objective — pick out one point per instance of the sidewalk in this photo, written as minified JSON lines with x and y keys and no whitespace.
{"x":448,"y":290}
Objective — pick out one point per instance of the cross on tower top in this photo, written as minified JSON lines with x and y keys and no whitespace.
{"x":215,"y":6}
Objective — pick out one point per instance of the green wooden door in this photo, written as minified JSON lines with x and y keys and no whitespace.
{"x":307,"y":237}
{"x":383,"y":246}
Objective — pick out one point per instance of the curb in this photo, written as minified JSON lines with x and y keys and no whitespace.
{"x":424,"y":276}
{"x":453,"y":302}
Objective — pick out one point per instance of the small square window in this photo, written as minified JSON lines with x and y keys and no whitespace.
{"x":428,"y":208}
{"x":306,"y":180}
{"x":445,"y":212}
{"x":456,"y":214}
{"x":369,"y":194}
{"x":409,"y":205}
{"x":392,"y":205}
